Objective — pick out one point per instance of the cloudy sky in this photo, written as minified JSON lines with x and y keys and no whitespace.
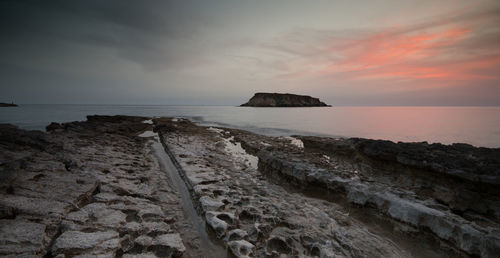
{"x":394,"y":52}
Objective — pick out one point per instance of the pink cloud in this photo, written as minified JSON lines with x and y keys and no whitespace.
{"x":454,"y":50}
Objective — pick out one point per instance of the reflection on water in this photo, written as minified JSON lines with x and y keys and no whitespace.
{"x":479,"y":126}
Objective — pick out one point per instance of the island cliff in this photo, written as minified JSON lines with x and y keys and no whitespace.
{"x":283,"y":100}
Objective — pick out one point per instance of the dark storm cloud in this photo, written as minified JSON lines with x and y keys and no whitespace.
{"x":156,"y":34}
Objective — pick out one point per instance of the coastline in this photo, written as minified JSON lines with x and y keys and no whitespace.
{"x":8,"y":105}
{"x":476,"y":126}
{"x":258,"y":195}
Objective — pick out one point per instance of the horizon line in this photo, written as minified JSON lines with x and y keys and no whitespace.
{"x":237,"y":105}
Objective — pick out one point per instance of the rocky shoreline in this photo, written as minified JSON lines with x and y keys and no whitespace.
{"x":86,"y":189}
{"x":7,"y":105}
{"x":102,"y":188}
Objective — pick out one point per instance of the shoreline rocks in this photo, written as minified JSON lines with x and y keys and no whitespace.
{"x":8,"y":105}
{"x":255,"y":206}
{"x":96,"y":188}
{"x":417,"y":190}
{"x":283,"y":100}
{"x":476,"y":164}
{"x":88,"y":188}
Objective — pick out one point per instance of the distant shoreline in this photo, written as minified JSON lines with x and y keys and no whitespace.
{"x":345,"y":121}
{"x":8,"y":105}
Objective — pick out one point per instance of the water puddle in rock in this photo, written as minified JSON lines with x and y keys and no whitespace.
{"x":234,"y":149}
{"x":206,"y":244}
{"x":148,"y":134}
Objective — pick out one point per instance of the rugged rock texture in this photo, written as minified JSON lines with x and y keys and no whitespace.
{"x":458,"y":160}
{"x":283,"y":100}
{"x":339,"y":197}
{"x":253,"y":216}
{"x":449,"y":191}
{"x":96,"y":188}
{"x":463,"y":177}
{"x":85,"y":188}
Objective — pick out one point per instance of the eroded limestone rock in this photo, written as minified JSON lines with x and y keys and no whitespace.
{"x":76,"y":242}
{"x":20,"y":238}
{"x":241,"y":248}
{"x":85,"y":189}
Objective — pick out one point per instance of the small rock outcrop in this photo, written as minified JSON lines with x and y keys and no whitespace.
{"x":8,"y":105}
{"x":283,"y":100}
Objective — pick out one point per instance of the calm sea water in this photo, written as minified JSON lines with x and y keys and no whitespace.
{"x":479,"y":126}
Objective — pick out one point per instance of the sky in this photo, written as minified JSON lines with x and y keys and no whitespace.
{"x":392,"y":52}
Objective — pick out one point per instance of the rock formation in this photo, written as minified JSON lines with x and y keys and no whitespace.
{"x":283,"y":100}
{"x":8,"y":105}
{"x":89,"y":189}
{"x":339,"y":197}
{"x":253,"y":216}
{"x":96,"y":188}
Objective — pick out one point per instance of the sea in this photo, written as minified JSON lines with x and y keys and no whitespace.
{"x":478,"y":126}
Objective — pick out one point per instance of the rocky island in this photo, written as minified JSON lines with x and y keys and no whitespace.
{"x":7,"y":104}
{"x":122,"y":186}
{"x":283,"y":100}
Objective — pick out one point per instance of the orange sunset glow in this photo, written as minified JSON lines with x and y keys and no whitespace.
{"x":455,"y":50}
